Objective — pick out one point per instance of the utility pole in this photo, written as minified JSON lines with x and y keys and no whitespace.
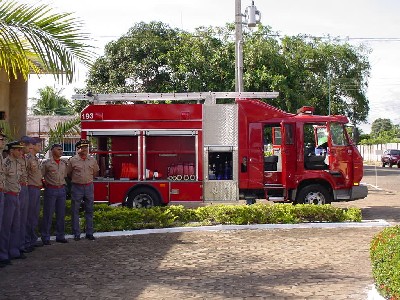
{"x":329,"y":92}
{"x":238,"y":47}
{"x":252,"y":18}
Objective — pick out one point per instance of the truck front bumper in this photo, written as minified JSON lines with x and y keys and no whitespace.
{"x":358,"y":192}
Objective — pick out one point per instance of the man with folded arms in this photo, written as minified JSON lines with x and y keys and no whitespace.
{"x":10,"y":240}
{"x":34,"y":187}
{"x":82,"y":169}
{"x":54,"y":171}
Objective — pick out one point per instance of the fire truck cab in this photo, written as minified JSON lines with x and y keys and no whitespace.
{"x":159,"y":153}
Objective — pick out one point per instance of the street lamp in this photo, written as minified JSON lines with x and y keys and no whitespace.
{"x":252,"y":18}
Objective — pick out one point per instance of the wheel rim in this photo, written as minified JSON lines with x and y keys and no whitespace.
{"x":142,"y":200}
{"x":314,"y":198}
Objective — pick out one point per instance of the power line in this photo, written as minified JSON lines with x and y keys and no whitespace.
{"x":327,"y":37}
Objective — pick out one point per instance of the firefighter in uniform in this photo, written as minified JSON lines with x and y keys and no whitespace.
{"x":82,"y":169}
{"x":34,"y":187}
{"x":54,"y":171}
{"x":23,"y":194}
{"x":10,"y":231}
{"x":2,"y":139}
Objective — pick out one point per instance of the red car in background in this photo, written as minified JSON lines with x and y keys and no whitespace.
{"x":391,"y":157}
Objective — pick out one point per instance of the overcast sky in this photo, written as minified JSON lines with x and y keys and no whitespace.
{"x":375,"y":23}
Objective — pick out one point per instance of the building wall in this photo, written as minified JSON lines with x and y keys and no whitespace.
{"x":39,"y":126}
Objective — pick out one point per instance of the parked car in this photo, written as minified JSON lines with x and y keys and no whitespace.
{"x":391,"y":157}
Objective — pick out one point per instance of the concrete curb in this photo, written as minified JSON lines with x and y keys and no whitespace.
{"x":362,"y":224}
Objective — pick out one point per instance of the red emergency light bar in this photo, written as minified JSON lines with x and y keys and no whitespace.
{"x":307,"y":110}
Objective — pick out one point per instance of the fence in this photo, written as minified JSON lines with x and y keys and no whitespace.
{"x":374,"y":152}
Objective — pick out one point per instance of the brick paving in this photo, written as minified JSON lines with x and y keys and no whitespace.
{"x":315,"y":263}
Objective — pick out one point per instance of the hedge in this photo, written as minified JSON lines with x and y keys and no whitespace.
{"x":385,"y":259}
{"x":108,"y":218}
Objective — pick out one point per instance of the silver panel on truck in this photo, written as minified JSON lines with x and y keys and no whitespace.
{"x":220,"y":134}
{"x":220,"y":190}
{"x":220,"y":124}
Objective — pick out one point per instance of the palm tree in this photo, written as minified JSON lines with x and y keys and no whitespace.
{"x":63,"y":129}
{"x":51,"y":102}
{"x":34,"y":39}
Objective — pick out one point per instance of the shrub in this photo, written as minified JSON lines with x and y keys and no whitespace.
{"x":111,"y":218}
{"x":385,"y":259}
{"x":122,"y":218}
{"x":326,"y":213}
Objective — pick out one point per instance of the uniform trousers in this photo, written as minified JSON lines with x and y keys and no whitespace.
{"x":82,"y":193}
{"x":10,"y":233}
{"x":1,"y":208}
{"x":33,"y":216}
{"x":54,"y":200}
{"x":24,"y":206}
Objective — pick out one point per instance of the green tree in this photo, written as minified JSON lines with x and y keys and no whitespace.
{"x":136,"y":62}
{"x":380,"y":125}
{"x":203,"y":61}
{"x":51,"y":102}
{"x":309,"y":71}
{"x":306,"y":71}
{"x":34,"y":39}
{"x":382,"y":131}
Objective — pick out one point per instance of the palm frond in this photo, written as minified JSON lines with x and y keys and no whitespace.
{"x":33,"y":38}
{"x":62,"y":130}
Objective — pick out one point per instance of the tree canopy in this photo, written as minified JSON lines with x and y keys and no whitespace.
{"x":152,"y":57}
{"x":380,"y":125}
{"x":34,"y":39}
{"x":51,"y":102}
{"x":382,"y":131}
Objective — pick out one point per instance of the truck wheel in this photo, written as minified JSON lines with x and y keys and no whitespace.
{"x":314,"y":194}
{"x":142,"y":197}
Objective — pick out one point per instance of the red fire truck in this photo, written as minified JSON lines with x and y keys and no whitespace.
{"x":176,"y":151}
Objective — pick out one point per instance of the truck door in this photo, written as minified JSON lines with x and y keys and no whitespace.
{"x":255,"y":161}
{"x":288,"y":153}
{"x":340,"y":152}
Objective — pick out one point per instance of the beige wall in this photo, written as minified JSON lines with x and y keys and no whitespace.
{"x":4,"y":92}
{"x":18,"y":105}
{"x":14,"y":101}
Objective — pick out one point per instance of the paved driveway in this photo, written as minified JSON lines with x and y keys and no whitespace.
{"x":246,"y":264}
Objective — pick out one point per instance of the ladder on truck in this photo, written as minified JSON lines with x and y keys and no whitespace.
{"x":207,"y":97}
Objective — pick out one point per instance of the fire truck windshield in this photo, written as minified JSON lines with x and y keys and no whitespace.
{"x":338,"y":136}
